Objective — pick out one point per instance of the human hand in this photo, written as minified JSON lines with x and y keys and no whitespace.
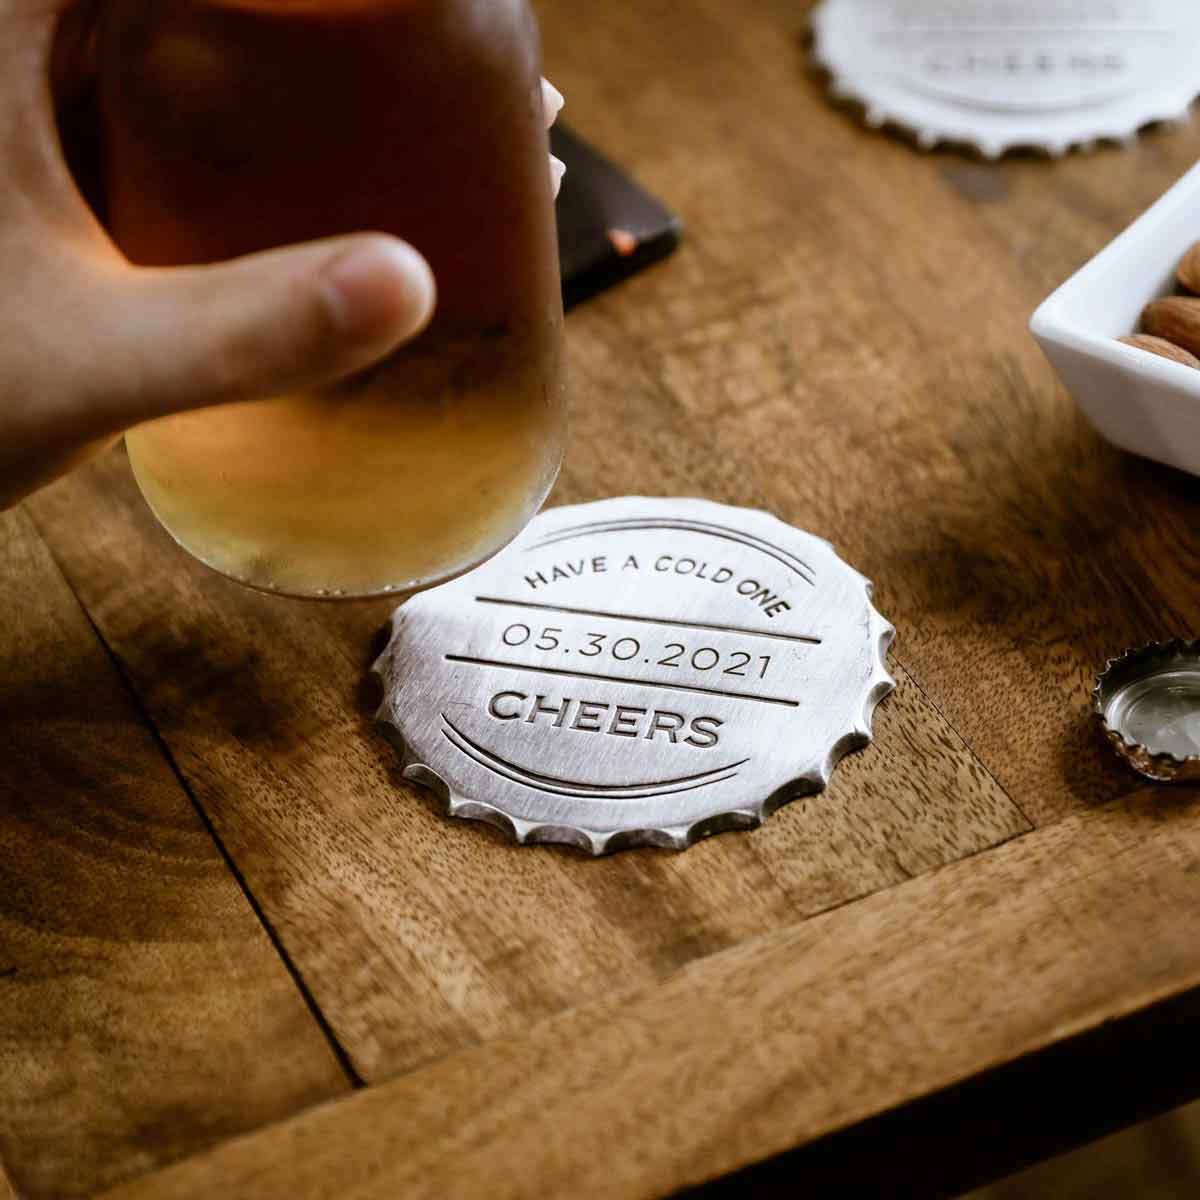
{"x":94,"y":345}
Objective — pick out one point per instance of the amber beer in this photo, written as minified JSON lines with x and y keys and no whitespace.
{"x":236,"y":125}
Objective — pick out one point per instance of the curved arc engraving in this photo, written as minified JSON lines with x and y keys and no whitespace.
{"x":635,"y":524}
{"x":578,"y":788}
{"x":964,"y":99}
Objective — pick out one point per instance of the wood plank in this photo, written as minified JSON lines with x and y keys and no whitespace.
{"x":144,"y":1014}
{"x":773,"y":1043}
{"x":1068,"y":1095}
{"x":7,"y":1191}
{"x":918,"y":800}
{"x":1052,"y":216}
{"x":1133,"y":521}
{"x":419,"y":936}
{"x":843,"y":340}
{"x":1052,"y":219}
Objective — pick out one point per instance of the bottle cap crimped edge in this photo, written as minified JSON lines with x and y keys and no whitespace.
{"x":1135,"y":664}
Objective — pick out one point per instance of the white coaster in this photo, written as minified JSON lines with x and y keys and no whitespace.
{"x":999,"y":74}
{"x":637,"y":672}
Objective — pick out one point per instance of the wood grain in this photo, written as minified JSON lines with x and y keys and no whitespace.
{"x":767,"y":1045}
{"x":416,"y":937}
{"x":916,"y":801}
{"x":1067,"y":1095}
{"x":144,"y":1014}
{"x":419,"y":936}
{"x":843,"y":339}
{"x":7,"y":1191}
{"x":1051,"y":216}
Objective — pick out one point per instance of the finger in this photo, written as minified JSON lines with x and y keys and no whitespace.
{"x":552,"y":105}
{"x":552,"y":102}
{"x":280,"y":321}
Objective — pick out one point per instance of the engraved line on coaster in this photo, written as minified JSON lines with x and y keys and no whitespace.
{"x":633,"y":524}
{"x":671,"y":687}
{"x":543,"y":787}
{"x":577,"y":788}
{"x":591,"y":612}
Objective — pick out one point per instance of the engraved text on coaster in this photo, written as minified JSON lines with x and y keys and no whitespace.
{"x":637,"y":672}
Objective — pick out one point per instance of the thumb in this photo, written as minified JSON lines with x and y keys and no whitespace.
{"x":284,"y":320}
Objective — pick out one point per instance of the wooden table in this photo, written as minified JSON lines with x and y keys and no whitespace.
{"x":232,"y":939}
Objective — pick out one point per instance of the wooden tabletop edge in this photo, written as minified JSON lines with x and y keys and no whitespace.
{"x":773,"y":1044}
{"x":7,"y":1191}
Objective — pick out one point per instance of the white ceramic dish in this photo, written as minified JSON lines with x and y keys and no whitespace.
{"x":1137,"y":400}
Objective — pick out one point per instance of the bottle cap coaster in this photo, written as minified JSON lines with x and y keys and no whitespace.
{"x":998,"y":74}
{"x":637,"y":672}
{"x":1148,"y":704}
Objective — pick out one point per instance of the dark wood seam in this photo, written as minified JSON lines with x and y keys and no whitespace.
{"x":338,"y":1050}
{"x":969,"y":748}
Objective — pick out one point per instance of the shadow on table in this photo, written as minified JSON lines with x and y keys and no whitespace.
{"x":981,"y":1130}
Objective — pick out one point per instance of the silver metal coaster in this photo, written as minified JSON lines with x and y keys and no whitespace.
{"x":1148,"y":704}
{"x":999,"y":74}
{"x":637,"y":672}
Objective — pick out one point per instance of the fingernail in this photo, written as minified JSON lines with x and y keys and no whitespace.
{"x":558,"y":169}
{"x":552,"y":102}
{"x":379,"y":290}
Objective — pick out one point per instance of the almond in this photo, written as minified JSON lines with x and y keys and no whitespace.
{"x":1189,"y":269}
{"x":1176,"y":318}
{"x":1161,"y":347}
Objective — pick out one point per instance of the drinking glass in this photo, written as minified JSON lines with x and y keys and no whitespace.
{"x":233,"y":126}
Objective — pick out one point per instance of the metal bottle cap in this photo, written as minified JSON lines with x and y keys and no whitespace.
{"x":637,"y":672}
{"x":997,"y":74}
{"x":1148,"y":703}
